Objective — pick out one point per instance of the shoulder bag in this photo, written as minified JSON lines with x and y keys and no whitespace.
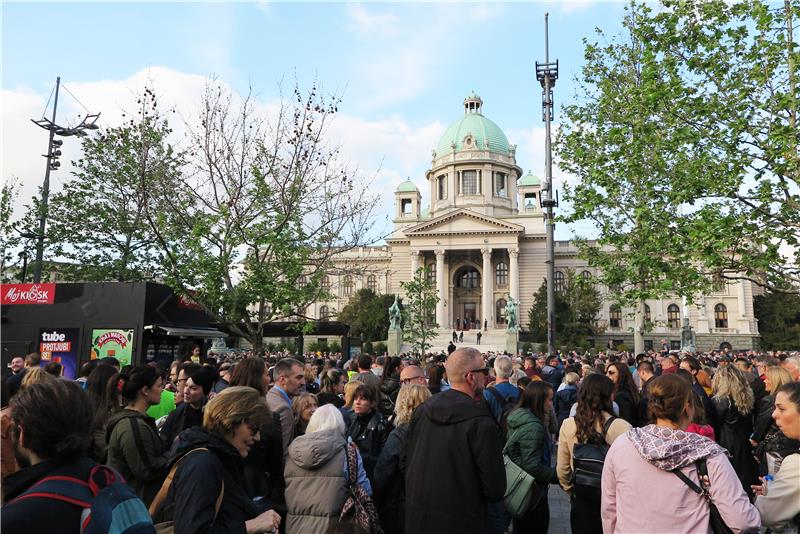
{"x":519,"y":486}
{"x":715,"y":520}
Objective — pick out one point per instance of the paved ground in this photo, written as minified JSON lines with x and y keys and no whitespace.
{"x":559,"y":511}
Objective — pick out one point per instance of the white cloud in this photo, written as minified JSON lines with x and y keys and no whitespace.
{"x":367,"y":23}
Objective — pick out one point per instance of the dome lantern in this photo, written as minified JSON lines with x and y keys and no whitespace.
{"x":473,"y":103}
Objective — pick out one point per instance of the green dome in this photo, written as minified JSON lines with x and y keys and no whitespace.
{"x":407,"y":187}
{"x":478,"y":127}
{"x":529,"y":179}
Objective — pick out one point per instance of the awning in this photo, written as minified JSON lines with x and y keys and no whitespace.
{"x":179,"y":331}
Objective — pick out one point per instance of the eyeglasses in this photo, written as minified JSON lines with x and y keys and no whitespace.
{"x":408,"y":380}
{"x":484,"y":371}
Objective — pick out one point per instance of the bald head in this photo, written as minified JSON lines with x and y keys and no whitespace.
{"x":462,"y":361}
{"x":412,"y":374}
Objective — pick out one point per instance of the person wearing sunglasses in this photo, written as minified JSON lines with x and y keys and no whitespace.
{"x":453,"y":460}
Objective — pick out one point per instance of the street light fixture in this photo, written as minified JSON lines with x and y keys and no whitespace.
{"x":89,"y":122}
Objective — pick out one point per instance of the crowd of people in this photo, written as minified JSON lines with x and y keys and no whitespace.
{"x":660,"y":442}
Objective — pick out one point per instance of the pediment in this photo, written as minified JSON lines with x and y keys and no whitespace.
{"x":464,"y":221}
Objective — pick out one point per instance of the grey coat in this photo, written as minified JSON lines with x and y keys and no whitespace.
{"x":315,"y":483}
{"x":277,"y":404}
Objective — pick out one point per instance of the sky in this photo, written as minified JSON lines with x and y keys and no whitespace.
{"x":402,"y":70}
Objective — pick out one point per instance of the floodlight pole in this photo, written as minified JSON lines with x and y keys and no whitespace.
{"x":547,"y":74}
{"x":37,"y":271}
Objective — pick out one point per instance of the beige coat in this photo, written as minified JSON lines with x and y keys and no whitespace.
{"x":782,"y":501}
{"x":567,"y":440}
{"x":277,"y":404}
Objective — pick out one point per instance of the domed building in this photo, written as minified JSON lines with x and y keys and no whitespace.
{"x":482,"y":240}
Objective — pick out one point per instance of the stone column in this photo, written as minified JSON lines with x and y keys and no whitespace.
{"x":486,"y":299}
{"x":513,"y":256}
{"x":441,"y":290}
{"x":414,"y":261}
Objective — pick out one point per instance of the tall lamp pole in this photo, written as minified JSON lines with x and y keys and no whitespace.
{"x":547,"y":74}
{"x":53,"y":153}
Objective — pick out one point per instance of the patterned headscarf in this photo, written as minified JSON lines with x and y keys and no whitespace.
{"x":670,"y":449}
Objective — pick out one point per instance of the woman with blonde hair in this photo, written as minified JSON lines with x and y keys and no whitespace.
{"x":303,"y":407}
{"x":207,"y":492}
{"x":733,"y":422}
{"x":388,"y":480}
{"x":349,"y":397}
{"x":771,"y":445}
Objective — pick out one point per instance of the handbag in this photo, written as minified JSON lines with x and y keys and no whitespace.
{"x":715,"y":520}
{"x":519,"y":488}
{"x":358,"y":507}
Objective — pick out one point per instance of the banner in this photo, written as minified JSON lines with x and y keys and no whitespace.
{"x":12,"y":294}
{"x":116,"y":342}
{"x":60,"y":345}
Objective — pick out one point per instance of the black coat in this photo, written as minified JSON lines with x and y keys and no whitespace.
{"x":564,"y":401}
{"x":389,"y":388}
{"x":628,"y":408}
{"x":369,"y":434}
{"x":181,"y":418}
{"x":733,"y":431}
{"x":453,"y":463}
{"x":263,"y":466}
{"x":388,"y":486}
{"x":39,"y":515}
{"x":198,"y":480}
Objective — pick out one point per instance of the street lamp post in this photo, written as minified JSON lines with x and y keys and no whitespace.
{"x":53,"y":153}
{"x":547,"y":74}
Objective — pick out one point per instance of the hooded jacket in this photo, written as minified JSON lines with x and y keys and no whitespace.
{"x":198,"y":480}
{"x":315,"y":484}
{"x":136,"y":452}
{"x":528,"y":446}
{"x":454,"y":465}
{"x":640,"y":462}
{"x":388,"y":483}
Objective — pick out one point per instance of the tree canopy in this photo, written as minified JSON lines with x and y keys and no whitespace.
{"x":367,"y":314}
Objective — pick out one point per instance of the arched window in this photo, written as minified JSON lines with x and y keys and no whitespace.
{"x":325,"y":283}
{"x":615,"y":316}
{"x":372,"y":283}
{"x":501,"y":274}
{"x":324,"y":313}
{"x":431,"y":270}
{"x":720,"y":316}
{"x":647,"y":317}
{"x":302,"y":281}
{"x":586,"y":276}
{"x":673,"y":316}
{"x":469,"y":279}
{"x":347,"y":285}
{"x":559,"y":281}
{"x":500,"y":312}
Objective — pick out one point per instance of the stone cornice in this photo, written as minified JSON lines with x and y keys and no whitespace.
{"x":427,"y":228}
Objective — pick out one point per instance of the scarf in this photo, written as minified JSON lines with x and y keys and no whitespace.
{"x":670,"y":449}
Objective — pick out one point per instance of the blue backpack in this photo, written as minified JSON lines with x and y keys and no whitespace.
{"x":109,"y":505}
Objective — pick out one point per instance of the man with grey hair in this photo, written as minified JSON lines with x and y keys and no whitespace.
{"x":453,"y":461}
{"x":792,"y":364}
{"x":501,"y":395}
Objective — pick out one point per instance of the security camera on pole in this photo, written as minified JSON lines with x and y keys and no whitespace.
{"x":547,"y":74}
{"x":53,"y":153}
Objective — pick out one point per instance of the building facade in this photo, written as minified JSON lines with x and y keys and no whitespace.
{"x":482,"y":240}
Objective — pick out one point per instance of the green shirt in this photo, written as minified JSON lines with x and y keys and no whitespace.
{"x":167,"y":404}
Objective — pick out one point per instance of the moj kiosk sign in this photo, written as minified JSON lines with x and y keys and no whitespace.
{"x":27,"y":294}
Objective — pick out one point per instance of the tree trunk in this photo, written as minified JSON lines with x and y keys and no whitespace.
{"x":638,"y":329}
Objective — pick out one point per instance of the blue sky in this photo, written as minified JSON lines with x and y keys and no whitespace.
{"x":404,"y":69}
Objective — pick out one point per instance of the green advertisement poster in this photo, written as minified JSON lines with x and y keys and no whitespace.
{"x":116,"y":342}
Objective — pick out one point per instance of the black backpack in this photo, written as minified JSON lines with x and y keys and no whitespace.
{"x":587,"y":465}
{"x":507,"y":405}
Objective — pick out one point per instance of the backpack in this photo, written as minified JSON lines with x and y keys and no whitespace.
{"x":109,"y":505}
{"x":358,"y":504}
{"x":506,"y":407}
{"x":587,"y":465}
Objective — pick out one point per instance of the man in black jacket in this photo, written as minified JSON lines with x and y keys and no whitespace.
{"x":453,"y":461}
{"x":51,"y":433}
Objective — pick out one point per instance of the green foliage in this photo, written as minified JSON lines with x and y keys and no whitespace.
{"x":367,"y":314}
{"x":97,"y":223}
{"x":686,"y":145}
{"x":419,"y":311}
{"x":380,"y":348}
{"x":778,"y":317}
{"x":577,"y":308}
{"x":10,"y":239}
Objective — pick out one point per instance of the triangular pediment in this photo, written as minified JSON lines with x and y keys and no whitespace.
{"x":463,"y":221}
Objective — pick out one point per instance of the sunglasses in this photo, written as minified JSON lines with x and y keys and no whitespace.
{"x":407,"y":380}
{"x":483,"y":370}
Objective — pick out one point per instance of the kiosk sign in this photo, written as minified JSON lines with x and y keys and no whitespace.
{"x":116,"y":342}
{"x":60,"y":345}
{"x":27,"y":294}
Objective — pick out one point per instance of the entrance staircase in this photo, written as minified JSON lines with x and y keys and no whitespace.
{"x":494,"y":340}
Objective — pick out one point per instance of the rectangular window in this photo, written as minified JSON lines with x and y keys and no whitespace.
{"x":405,"y":206}
{"x":530,"y":201}
{"x":500,"y":185}
{"x":442,"y":182}
{"x":469,"y":182}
